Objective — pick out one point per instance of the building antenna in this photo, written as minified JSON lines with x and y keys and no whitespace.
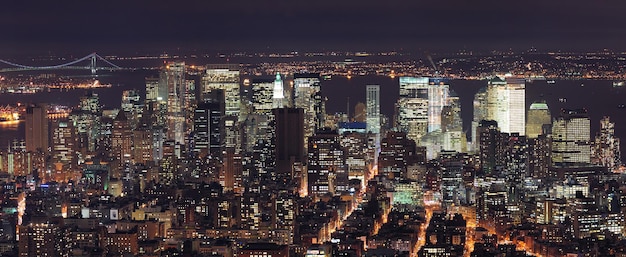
{"x":348,"y":109}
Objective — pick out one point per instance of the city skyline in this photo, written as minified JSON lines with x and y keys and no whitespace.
{"x":313,"y":129}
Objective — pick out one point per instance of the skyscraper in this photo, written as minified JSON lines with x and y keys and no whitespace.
{"x":327,"y":172}
{"x":306,"y":86}
{"x":174,"y":78}
{"x":63,"y":145}
{"x":225,"y":78}
{"x":360,"y":112}
{"x":121,"y":143}
{"x":506,"y":103}
{"x":419,"y":107}
{"x":606,"y":150}
{"x":538,"y":116}
{"x":480,"y":113}
{"x":278,"y":95}
{"x":571,"y":138}
{"x":37,"y":128}
{"x":208,"y":127}
{"x":373,"y":108}
{"x":489,"y":144}
{"x":289,"y":139}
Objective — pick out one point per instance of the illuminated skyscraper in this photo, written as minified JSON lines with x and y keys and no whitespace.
{"x":420,"y":104}
{"x":571,"y":138}
{"x":606,"y":146}
{"x":174,"y":77}
{"x":155,"y":91}
{"x":327,"y":171}
{"x":506,"y":103}
{"x":227,"y":79}
{"x":306,"y":86}
{"x":63,"y":145}
{"x":263,"y":95}
{"x":37,"y":128}
{"x":279,"y":93}
{"x":208,"y":124}
{"x":480,"y":113}
{"x":121,"y":143}
{"x":538,"y":116}
{"x":373,"y":108}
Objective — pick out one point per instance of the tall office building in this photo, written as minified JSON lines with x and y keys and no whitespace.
{"x":360,"y":112}
{"x":506,"y":103}
{"x":419,"y":106}
{"x":132,"y":106}
{"x":489,"y":145}
{"x":63,"y":145}
{"x":289,"y":139}
{"x":373,"y":108}
{"x":306,"y":87}
{"x":121,"y":143}
{"x":571,"y":138}
{"x":606,"y":150}
{"x":480,"y":113}
{"x":278,"y":95}
{"x":327,"y":171}
{"x":225,"y":78}
{"x":173,"y":76}
{"x":37,"y":128}
{"x":538,"y":116}
{"x":263,"y":95}
{"x":142,"y":144}
{"x":208,"y":124}
{"x":155,"y":91}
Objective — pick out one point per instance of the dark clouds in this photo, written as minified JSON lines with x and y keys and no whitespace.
{"x":289,"y":24}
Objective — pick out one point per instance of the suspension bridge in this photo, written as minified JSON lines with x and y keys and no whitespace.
{"x":89,"y":62}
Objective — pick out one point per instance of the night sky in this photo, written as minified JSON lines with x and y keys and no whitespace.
{"x":140,"y":25}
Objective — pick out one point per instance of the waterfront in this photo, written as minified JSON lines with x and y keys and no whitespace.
{"x":599,"y":97}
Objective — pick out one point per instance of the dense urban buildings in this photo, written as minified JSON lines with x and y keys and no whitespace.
{"x":218,"y":161}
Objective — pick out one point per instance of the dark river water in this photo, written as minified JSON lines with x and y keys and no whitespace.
{"x":600,"y":98}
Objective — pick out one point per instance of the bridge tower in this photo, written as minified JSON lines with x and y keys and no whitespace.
{"x":93,"y":63}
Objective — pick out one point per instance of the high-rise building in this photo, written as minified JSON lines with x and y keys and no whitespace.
{"x":37,"y":128}
{"x":538,"y":116}
{"x":173,"y":76}
{"x":225,"y":78}
{"x":208,"y":124}
{"x":278,"y":95}
{"x":327,"y":171}
{"x":289,"y":139}
{"x":155,"y":91}
{"x":132,"y":106}
{"x":373,"y":108}
{"x":397,"y":153}
{"x":420,"y":104}
{"x":90,"y":103}
{"x":142,"y":144}
{"x":506,"y":103}
{"x":489,"y":145}
{"x":121,"y":143}
{"x":360,"y":112}
{"x":63,"y":146}
{"x":262,"y":95}
{"x":480,"y":113}
{"x":306,"y":87}
{"x":605,"y":151}
{"x":571,"y":138}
